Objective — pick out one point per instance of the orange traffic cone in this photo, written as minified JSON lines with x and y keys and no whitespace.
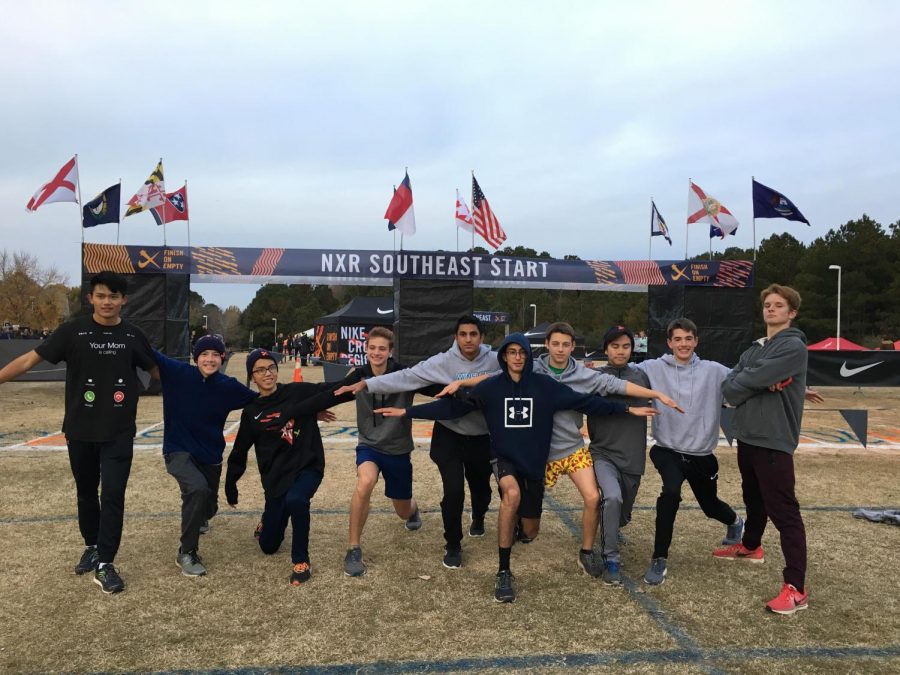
{"x":298,"y":374}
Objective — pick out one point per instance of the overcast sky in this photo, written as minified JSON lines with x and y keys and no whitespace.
{"x":291,"y":121}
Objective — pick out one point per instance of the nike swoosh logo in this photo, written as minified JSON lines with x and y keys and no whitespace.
{"x":257,"y":416}
{"x":847,"y":372}
{"x":384,"y":311}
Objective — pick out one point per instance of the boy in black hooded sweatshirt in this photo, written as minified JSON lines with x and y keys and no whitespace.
{"x":518,"y":406}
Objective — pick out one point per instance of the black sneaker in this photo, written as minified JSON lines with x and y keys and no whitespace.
{"x":108,"y":579}
{"x":89,"y":561}
{"x":476,"y":529}
{"x":452,"y":558}
{"x":520,"y":535}
{"x":503,"y":588}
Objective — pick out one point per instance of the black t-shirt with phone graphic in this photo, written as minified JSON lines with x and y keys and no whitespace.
{"x":101,"y":383}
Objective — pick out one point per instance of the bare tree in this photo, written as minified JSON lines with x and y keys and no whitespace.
{"x":31,"y":294}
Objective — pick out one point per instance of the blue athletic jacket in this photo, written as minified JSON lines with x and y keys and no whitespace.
{"x":519,"y":415}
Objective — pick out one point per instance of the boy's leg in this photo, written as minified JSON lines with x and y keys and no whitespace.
{"x":115,"y":467}
{"x":297,"y":501}
{"x":213,"y":473}
{"x":630,"y":484}
{"x":274,"y":522}
{"x":398,"y":474}
{"x":755,"y":525}
{"x":194,"y":497}
{"x":477,"y":465}
{"x":84,"y":460}
{"x":445,"y":452}
{"x":702,"y":474}
{"x":669,"y":465}
{"x":586,"y":482}
{"x":366,"y":478}
{"x":607,"y":476}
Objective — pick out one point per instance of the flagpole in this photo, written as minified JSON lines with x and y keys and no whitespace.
{"x":650,"y":244}
{"x":164,"y":204}
{"x":457,"y":225}
{"x":473,"y":209}
{"x":189,"y":215}
{"x":752,"y":181}
{"x":80,"y":212}
{"x":687,"y":225}
{"x":119,"y":220}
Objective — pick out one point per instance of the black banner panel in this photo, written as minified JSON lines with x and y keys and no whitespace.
{"x":853,"y":369}
{"x":724,"y":318}
{"x":426,"y":312}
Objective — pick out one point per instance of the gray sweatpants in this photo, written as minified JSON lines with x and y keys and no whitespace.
{"x":199,"y":485}
{"x":619,"y":491}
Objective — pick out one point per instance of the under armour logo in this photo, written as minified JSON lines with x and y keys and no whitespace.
{"x":517,"y":412}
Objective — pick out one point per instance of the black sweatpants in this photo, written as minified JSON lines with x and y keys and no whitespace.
{"x":199,"y":485}
{"x":105,"y":465}
{"x":702,"y":474}
{"x":767,"y":480}
{"x":461,"y":459}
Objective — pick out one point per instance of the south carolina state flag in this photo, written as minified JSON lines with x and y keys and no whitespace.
{"x":400,"y":214}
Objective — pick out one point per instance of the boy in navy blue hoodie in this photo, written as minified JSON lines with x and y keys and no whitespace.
{"x":196,"y":403}
{"x":518,"y":406}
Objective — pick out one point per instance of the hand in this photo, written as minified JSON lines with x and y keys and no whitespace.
{"x":450,"y":389}
{"x":644,"y":411}
{"x":351,"y":388}
{"x":326,"y":416}
{"x":779,"y":386}
{"x":813,"y":396}
{"x":391,"y":412}
{"x":665,"y":400}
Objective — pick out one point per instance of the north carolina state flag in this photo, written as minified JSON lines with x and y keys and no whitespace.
{"x":62,"y":188}
{"x":400,"y":214}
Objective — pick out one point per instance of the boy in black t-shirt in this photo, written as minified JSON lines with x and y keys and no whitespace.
{"x":101,"y":352}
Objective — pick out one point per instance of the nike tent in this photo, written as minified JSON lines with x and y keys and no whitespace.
{"x":341,"y":336}
{"x":831,"y":344}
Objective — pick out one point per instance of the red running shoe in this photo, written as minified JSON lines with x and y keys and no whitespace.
{"x":790,"y":600}
{"x":740,"y":552}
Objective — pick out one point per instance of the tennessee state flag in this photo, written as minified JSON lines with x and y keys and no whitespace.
{"x":400,"y":214}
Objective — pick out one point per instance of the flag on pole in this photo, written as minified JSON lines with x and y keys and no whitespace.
{"x":151,"y":194}
{"x":62,"y":188}
{"x":400,"y":214}
{"x":484,"y":221}
{"x":704,"y":208}
{"x":104,"y":208}
{"x":658,"y":226}
{"x":769,"y":203}
{"x":463,"y":217}
{"x":176,"y":207}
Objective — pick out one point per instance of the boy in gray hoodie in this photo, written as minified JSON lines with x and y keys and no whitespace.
{"x":767,"y":428}
{"x":685,"y":442}
{"x":385,"y":446}
{"x":460,"y":447}
{"x":619,"y":451}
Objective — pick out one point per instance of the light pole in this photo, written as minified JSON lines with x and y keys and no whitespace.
{"x":205,"y":322}
{"x":275,"y":339}
{"x":838,"y":268}
{"x":534,"y":317}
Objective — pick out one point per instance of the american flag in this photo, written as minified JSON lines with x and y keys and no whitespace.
{"x":486,"y":224}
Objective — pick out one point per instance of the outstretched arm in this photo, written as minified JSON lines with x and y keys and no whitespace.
{"x":636,"y":390}
{"x":454,"y":386}
{"x":19,"y":366}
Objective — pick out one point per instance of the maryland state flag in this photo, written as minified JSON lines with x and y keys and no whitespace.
{"x":104,"y":208}
{"x":151,"y":194}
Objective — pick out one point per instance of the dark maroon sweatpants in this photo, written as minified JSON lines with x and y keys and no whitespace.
{"x":767,"y":481}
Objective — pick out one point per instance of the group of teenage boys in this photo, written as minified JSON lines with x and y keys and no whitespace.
{"x":500,"y":413}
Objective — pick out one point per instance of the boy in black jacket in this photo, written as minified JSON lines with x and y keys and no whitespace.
{"x":282,"y":425}
{"x":518,"y":407}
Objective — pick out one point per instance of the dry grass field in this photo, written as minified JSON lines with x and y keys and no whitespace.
{"x":409,"y":614}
